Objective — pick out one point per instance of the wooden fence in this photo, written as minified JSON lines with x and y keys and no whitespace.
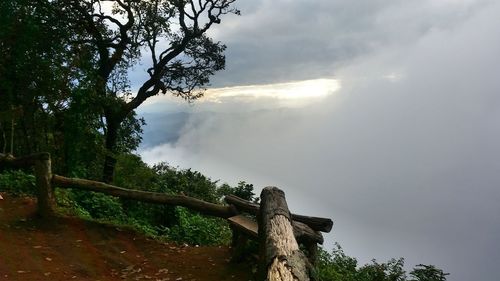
{"x":278,"y":231}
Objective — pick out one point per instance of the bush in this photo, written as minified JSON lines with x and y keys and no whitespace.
{"x":98,"y":206}
{"x":17,"y":183}
{"x":195,"y":229}
{"x":175,"y":223}
{"x":337,"y":266}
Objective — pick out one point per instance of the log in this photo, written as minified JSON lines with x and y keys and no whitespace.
{"x":316,"y":223}
{"x":243,"y":228}
{"x":45,"y":193}
{"x":242,"y":204}
{"x":302,"y":232}
{"x":7,"y":160}
{"x":306,"y":235}
{"x":281,"y":258}
{"x":144,"y":196}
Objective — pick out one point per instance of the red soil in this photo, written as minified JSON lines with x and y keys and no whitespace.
{"x":73,"y":249}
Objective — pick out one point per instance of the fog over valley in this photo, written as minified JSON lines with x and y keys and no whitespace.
{"x":384,"y":116}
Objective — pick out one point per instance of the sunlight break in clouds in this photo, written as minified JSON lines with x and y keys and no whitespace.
{"x":316,"y":88}
{"x":293,"y":94}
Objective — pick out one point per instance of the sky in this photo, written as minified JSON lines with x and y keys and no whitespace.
{"x":383,"y":115}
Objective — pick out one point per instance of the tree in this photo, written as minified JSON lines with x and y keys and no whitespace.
{"x":337,"y":266}
{"x":35,"y":72}
{"x":172,"y":33}
{"x":424,"y":272}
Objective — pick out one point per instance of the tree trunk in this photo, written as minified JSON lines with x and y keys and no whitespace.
{"x":112,"y":127}
{"x":281,"y":258}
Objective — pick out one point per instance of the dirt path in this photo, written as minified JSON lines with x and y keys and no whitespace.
{"x":72,"y":249}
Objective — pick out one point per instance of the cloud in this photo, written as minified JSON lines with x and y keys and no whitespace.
{"x":283,"y":40}
{"x":404,"y":157}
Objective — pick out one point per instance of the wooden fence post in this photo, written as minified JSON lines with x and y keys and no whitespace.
{"x":45,"y":192}
{"x":281,"y":258}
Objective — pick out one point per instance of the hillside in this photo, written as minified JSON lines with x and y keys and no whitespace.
{"x":73,"y":249}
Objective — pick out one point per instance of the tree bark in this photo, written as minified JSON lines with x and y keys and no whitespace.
{"x":110,"y":158}
{"x":281,"y":258}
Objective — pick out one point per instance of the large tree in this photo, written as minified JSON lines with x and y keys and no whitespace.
{"x":35,"y":72}
{"x":169,"y":35}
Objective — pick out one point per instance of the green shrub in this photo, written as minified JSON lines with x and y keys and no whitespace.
{"x":337,"y":266}
{"x":98,"y":205}
{"x":195,"y":229}
{"x":17,"y":183}
{"x":176,"y":223}
{"x":67,"y":205}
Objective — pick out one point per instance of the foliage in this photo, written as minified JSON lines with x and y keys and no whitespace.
{"x":195,"y":229}
{"x":35,"y":72}
{"x":67,"y":205}
{"x":337,"y":266}
{"x":428,"y":273}
{"x":171,"y":222}
{"x":52,"y":80}
{"x":17,"y":183}
{"x":66,"y":65}
{"x":243,"y":190}
{"x":98,"y":205}
{"x":172,"y":33}
{"x":187,"y":182}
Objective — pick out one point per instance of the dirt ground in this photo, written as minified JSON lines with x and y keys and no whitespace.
{"x":73,"y":249}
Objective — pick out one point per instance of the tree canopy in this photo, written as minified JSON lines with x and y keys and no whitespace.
{"x":171,"y":33}
{"x":67,"y":62}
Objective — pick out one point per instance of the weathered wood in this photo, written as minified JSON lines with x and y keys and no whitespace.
{"x":305,"y":234}
{"x":316,"y":223}
{"x":43,"y":177}
{"x":302,"y":232}
{"x":242,"y":204}
{"x":309,"y":238}
{"x":151,"y":197}
{"x":242,"y":228}
{"x":281,"y":258}
{"x":9,"y":161}
{"x":245,"y":225}
{"x":45,"y":193}
{"x":238,"y":245}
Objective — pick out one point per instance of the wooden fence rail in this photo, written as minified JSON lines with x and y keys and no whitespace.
{"x":201,"y":206}
{"x":278,"y":230}
{"x":316,"y":223}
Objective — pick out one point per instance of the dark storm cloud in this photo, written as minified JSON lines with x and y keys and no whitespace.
{"x":283,"y":40}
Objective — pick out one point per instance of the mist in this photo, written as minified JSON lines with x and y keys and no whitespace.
{"x":404,"y":157}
